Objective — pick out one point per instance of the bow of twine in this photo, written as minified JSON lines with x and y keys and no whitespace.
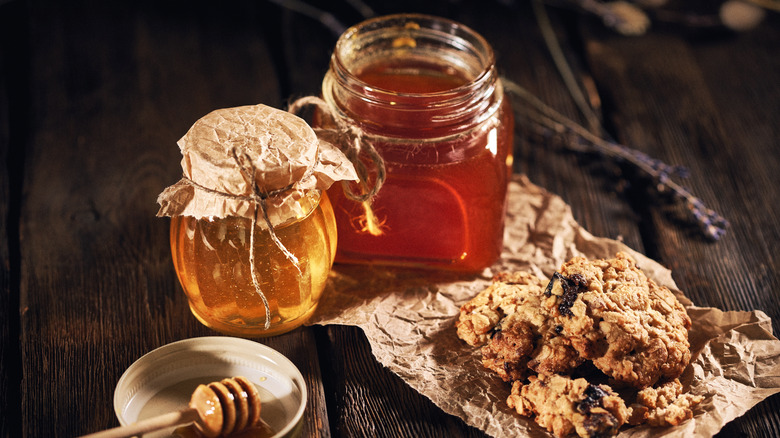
{"x":353,"y":142}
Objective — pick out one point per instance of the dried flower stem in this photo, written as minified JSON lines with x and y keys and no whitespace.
{"x":712,"y":224}
{"x":551,"y":41}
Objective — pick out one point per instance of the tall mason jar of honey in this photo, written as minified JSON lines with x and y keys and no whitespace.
{"x":425,"y":93}
{"x":253,"y":234}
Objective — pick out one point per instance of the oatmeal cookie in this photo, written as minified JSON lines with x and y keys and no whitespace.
{"x":509,"y":349}
{"x":600,"y":317}
{"x":481,"y":314}
{"x":525,"y":342}
{"x":632,"y":329}
{"x":665,"y":405}
{"x":526,"y":338}
{"x":564,"y":405}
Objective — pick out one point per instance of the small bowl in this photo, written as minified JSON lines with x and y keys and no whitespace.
{"x":163,"y":380}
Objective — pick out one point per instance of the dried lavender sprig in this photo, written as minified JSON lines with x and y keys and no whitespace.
{"x":712,"y":224}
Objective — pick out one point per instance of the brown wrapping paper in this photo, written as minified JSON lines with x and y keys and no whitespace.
{"x":409,"y":320}
{"x":230,"y":154}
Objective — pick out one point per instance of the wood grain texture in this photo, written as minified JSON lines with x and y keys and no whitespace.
{"x":301,"y":346}
{"x":689,"y":128}
{"x":97,"y":285}
{"x":587,"y":185}
{"x":688,"y":102}
{"x":7,"y":345}
{"x":372,"y":401}
{"x":95,"y":97}
{"x":13,"y":132}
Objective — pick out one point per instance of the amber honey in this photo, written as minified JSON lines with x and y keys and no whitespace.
{"x":211,"y":258}
{"x":433,"y":107}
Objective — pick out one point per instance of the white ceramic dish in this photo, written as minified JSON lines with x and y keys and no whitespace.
{"x":163,"y":380}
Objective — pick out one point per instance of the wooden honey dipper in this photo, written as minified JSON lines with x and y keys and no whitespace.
{"x":219,"y":408}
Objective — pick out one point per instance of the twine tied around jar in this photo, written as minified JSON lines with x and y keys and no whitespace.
{"x":258,"y":198}
{"x":352,"y":141}
{"x":252,"y":160}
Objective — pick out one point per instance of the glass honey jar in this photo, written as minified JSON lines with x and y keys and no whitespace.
{"x":424,"y":93}
{"x":211,"y":257}
{"x":253,"y":233}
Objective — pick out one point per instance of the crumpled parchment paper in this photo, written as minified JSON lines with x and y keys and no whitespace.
{"x":409,"y":320}
{"x":231,"y":153}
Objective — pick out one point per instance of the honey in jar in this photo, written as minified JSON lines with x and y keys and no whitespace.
{"x":253,"y":233}
{"x":211,"y":260}
{"x":424,"y":92}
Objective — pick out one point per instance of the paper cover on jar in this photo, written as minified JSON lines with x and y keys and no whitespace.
{"x":233,"y":157}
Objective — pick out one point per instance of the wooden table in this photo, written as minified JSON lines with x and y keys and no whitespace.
{"x":95,"y":96}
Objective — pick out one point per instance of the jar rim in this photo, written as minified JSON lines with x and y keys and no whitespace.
{"x":430,"y":26}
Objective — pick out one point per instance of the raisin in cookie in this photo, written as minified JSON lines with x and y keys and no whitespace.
{"x":564,"y":405}
{"x":525,"y":342}
{"x":481,"y":314}
{"x":632,"y":329}
{"x":515,"y":317}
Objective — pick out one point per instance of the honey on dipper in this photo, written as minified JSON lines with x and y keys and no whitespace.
{"x":226,"y":408}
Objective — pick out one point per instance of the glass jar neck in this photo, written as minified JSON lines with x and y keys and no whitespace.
{"x":413,"y":76}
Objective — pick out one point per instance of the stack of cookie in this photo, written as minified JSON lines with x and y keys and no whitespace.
{"x":596,"y":347}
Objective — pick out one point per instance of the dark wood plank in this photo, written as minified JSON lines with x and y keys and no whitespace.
{"x":8,"y":304}
{"x":13,"y":111}
{"x":678,"y":105}
{"x":522,"y":57}
{"x":7,"y":346}
{"x":372,"y":401}
{"x":114,"y":87}
{"x":710,"y":104}
{"x":302,"y":347}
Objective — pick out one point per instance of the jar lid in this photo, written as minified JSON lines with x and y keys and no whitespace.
{"x":234,"y":156}
{"x":164,"y":379}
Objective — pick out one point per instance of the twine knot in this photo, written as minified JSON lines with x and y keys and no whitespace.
{"x":352,"y":141}
{"x":258,"y":198}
